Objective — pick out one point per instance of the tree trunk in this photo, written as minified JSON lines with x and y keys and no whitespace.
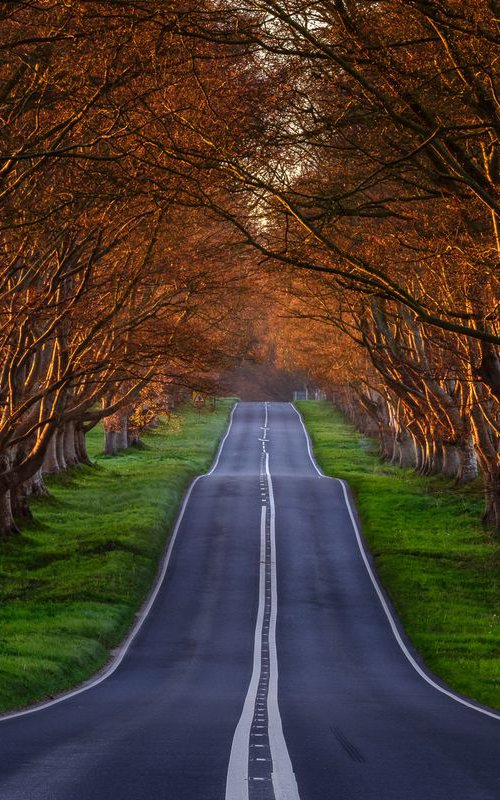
{"x":122,"y":434}
{"x":451,"y":460}
{"x":81,"y":446}
{"x":491,"y":514}
{"x":468,"y":470}
{"x":407,"y":454}
{"x":19,"y":501}
{"x":425,"y":465}
{"x":386,"y":438}
{"x":436,"y":457}
{"x":20,"y":490}
{"x":60,"y":449}
{"x":50,"y":462}
{"x":396,"y":447}
{"x":7,"y":523}
{"x":68,"y":439}
{"x":37,"y":486}
{"x":396,"y":452}
{"x":110,"y":447}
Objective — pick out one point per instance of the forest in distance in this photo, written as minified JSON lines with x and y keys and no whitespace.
{"x":185,"y":186}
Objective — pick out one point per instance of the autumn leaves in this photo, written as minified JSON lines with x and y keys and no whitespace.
{"x":112,"y":285}
{"x":155,"y":161}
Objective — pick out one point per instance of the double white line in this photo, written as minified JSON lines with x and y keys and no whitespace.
{"x":283,"y":779}
{"x":284,"y":783}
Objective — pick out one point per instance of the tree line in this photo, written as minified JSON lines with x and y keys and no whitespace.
{"x":368,"y":183}
{"x":385,"y":220}
{"x":156,"y":159}
{"x":113,"y":285}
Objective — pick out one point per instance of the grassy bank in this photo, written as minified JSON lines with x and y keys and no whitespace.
{"x":72,"y":581}
{"x":439,"y":565}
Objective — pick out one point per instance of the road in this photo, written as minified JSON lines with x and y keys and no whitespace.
{"x":267,"y":667}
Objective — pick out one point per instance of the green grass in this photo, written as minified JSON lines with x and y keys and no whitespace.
{"x":72,"y":581}
{"x":439,"y":565}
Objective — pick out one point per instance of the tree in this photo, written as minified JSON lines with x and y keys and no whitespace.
{"x":103,"y":287}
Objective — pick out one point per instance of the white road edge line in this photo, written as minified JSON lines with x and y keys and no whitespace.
{"x":237,"y":772}
{"x":143,"y":613}
{"x":283,"y":777}
{"x":308,"y":442}
{"x":376,"y":585}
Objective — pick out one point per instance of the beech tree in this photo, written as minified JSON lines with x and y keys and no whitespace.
{"x":373,"y":161}
{"x":104,"y":287}
{"x":395,"y":380}
{"x":383,"y":108}
{"x":154,"y":158}
{"x":110,"y":316}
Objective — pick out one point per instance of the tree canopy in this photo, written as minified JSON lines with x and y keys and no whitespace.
{"x":164,"y":169}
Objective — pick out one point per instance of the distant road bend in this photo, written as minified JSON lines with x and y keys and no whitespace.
{"x":269,"y":666}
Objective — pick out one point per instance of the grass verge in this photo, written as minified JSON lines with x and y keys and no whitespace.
{"x":71,"y":583}
{"x":438,"y":564}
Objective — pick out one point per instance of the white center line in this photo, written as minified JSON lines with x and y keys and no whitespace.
{"x":284,"y":782}
{"x":237,"y":773}
{"x":265,"y":667}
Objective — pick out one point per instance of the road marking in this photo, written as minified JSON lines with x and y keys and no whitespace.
{"x":380,"y":594}
{"x":260,"y":708}
{"x":284,"y":782}
{"x":221,"y":446}
{"x":308,"y":442}
{"x":394,"y":626}
{"x":142,"y":613}
{"x":237,"y":773}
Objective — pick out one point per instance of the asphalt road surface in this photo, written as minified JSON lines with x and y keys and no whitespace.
{"x":267,"y":667}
